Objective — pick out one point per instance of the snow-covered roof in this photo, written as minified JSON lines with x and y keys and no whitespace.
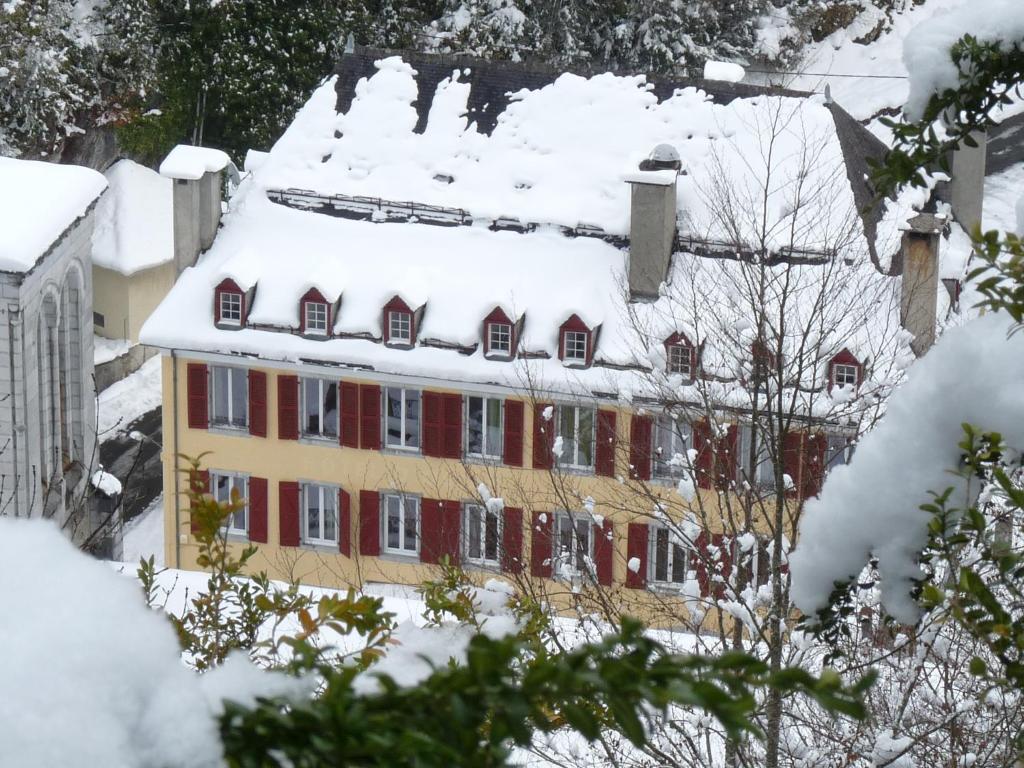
{"x":188,"y":162}
{"x":134,"y":220}
{"x":38,"y":202}
{"x":557,"y":156}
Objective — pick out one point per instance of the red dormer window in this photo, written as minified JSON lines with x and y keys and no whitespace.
{"x":763,"y":359}
{"x":845,"y":370}
{"x":680,"y":356}
{"x":229,"y":304}
{"x":399,"y":324}
{"x":499,"y":335}
{"x":314,"y":314}
{"x":575,"y":342}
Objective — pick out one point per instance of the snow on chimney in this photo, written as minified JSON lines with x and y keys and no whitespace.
{"x":652,"y":221}
{"x":920,"y":287}
{"x":197,"y":173}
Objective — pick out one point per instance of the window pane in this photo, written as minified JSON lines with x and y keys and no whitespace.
{"x":393,"y":405}
{"x":222,"y":488}
{"x":411,"y":513}
{"x":221,"y":393}
{"x":661,"y":555}
{"x":493,"y":427}
{"x":474,"y":532}
{"x":564,"y":535}
{"x":312,"y":512}
{"x":474,"y":425}
{"x":586,"y":437}
{"x":330,"y":389}
{"x":412,"y":418}
{"x":311,"y":406}
{"x":582,"y":543}
{"x":679,"y":563}
{"x":567,"y":431}
{"x":239,"y":397}
{"x":330,"y":514}
{"x":394,"y":522}
{"x":491,"y":537}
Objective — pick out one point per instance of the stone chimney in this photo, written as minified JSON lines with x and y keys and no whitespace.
{"x":652,"y":221}
{"x":966,"y":188}
{"x":920,"y":288}
{"x":197,"y":174}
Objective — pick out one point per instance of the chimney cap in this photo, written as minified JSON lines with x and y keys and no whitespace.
{"x":663,"y":157}
{"x":927,"y":223}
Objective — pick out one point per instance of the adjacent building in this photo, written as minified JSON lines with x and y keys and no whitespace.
{"x":488,"y":312}
{"x":47,"y":401}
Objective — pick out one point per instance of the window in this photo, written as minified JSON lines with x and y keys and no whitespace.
{"x":482,"y":535}
{"x":672,"y":439}
{"x":223,"y":486}
{"x":499,"y":338}
{"x":483,"y":427}
{"x":320,"y":514}
{"x":671,"y":557}
{"x":574,"y":436}
{"x":752,"y":562}
{"x":98,"y":320}
{"x":680,"y":360}
{"x":574,"y":346}
{"x":401,"y":524}
{"x":838,"y":450}
{"x":229,"y":396}
{"x":844,"y":375}
{"x":230,"y":308}
{"x":763,"y":471}
{"x":319,"y":408}
{"x":573,"y":542}
{"x":316,"y":318}
{"x":399,"y":327}
{"x":401,"y":418}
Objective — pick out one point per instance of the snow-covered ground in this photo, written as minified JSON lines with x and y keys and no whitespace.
{"x":123,"y":402}
{"x":105,"y":350}
{"x":144,"y":536}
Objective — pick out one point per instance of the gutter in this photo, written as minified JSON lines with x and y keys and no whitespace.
{"x":13,"y":323}
{"x":177,"y":459}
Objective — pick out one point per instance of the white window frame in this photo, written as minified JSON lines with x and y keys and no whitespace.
{"x":403,"y":419}
{"x":684,"y":353}
{"x":838,"y":451}
{"x":235,"y":479}
{"x":316,"y":318}
{"x":688,"y":552}
{"x":469,"y":511}
{"x":845,"y":370}
{"x":233,"y":371}
{"x":680,"y":444}
{"x":231,"y":303}
{"x":764,"y":474}
{"x":572,"y":462}
{"x":399,"y":326}
{"x":323,"y":492}
{"x":755,"y":562}
{"x":487,"y":452}
{"x":495,"y":344}
{"x":557,"y":547}
{"x":406,"y":504}
{"x":572,"y":343}
{"x":320,"y":408}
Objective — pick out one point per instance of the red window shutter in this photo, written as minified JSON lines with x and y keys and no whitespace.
{"x":540,"y":544}
{"x":704,"y":446}
{"x":288,"y":512}
{"x":543,"y":437}
{"x":702,"y":561}
{"x":344,"y":523}
{"x":349,"y":433}
{"x":451,"y":442}
{"x":722,"y":565}
{"x":512,"y":541}
{"x":198,"y":398}
{"x":431,"y":435}
{"x":369,"y":417}
{"x":287,"y":407}
{"x":451,"y":530}
{"x":513,"y":448}
{"x":604,"y":461}
{"x":636,"y":552}
{"x":792,"y":450}
{"x":258,"y":509}
{"x":369,"y":523}
{"x":257,"y":403}
{"x":604,"y":549}
{"x":640,"y":438}
{"x":199,"y":482}
{"x":726,"y":454}
{"x":430,"y":530}
{"x":813,"y":469}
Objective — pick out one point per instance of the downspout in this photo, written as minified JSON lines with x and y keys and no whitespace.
{"x":14,"y":320}
{"x":177,"y":469}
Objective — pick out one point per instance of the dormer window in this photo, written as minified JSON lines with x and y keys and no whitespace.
{"x":575,"y":343}
{"x":845,"y":370}
{"x":399,"y":327}
{"x":316,"y":318}
{"x":229,"y":304}
{"x":499,"y":335}
{"x":764,"y":362}
{"x":680,"y":356}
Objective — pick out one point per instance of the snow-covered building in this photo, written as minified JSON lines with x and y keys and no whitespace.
{"x":47,"y":402}
{"x":450,"y":278}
